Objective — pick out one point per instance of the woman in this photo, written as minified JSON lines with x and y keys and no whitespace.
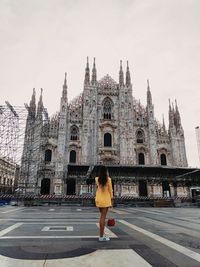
{"x":103,"y":199}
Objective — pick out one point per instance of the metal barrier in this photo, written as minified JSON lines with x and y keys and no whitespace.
{"x":89,"y":200}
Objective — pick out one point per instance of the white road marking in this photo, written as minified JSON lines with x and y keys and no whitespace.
{"x":10,"y":228}
{"x":166,"y":242}
{"x":12,"y":210}
{"x":118,"y":211}
{"x":177,"y":228}
{"x":51,"y":209}
{"x":108,"y":232}
{"x":148,"y":211}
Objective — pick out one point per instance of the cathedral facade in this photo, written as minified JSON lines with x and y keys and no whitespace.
{"x":105,"y":124}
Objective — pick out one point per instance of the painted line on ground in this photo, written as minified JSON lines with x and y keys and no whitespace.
{"x":166,"y":242}
{"x":118,"y":211}
{"x":9,"y":229}
{"x":148,"y":211}
{"x":177,"y":228}
{"x":12,"y":210}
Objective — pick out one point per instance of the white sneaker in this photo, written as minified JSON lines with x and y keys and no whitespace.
{"x":104,"y":238}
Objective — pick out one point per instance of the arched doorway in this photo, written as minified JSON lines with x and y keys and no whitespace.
{"x":45,"y":186}
{"x":143,"y":188}
{"x":141,"y":159}
{"x":163,"y":159}
{"x":71,"y":186}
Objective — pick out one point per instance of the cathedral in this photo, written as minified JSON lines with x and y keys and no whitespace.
{"x":105,"y":124}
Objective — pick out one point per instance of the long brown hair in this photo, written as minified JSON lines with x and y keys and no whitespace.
{"x":103,"y":176}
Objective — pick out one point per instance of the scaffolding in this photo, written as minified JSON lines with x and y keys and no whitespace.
{"x":12,"y":130}
{"x":197,"y":130}
{"x":13,"y":150}
{"x":12,"y":126}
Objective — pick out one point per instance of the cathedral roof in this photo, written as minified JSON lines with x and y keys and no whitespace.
{"x":107,"y":82}
{"x":76,"y":102}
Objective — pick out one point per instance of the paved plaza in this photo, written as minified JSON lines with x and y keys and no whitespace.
{"x":51,"y":236}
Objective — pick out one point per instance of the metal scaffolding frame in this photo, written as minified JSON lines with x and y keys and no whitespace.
{"x":197,"y":130}
{"x":13,"y":127}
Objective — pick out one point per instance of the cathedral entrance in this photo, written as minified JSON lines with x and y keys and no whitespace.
{"x":143,"y":188}
{"x":166,"y":189}
{"x":71,"y":186}
{"x":45,"y":186}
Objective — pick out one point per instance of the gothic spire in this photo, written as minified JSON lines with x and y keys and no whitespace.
{"x":173,"y":107}
{"x":164,"y":129}
{"x":121,"y":75}
{"x":40,"y":105}
{"x":177,"y":115}
{"x":87,"y":74}
{"x":149,"y":97}
{"x":33,"y":104}
{"x":65,"y":80}
{"x":170,"y":108}
{"x":94,"y":73}
{"x":128,"y":76}
{"x":171,"y":115}
{"x":64,"y":92}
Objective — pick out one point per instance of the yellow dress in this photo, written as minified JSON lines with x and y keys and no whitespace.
{"x":104,"y":194}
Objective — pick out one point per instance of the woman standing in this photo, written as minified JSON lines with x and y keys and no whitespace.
{"x":103,"y":199}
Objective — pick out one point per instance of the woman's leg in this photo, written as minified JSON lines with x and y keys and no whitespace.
{"x":102,"y":219}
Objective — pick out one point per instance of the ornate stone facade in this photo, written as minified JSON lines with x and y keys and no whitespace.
{"x":105,"y":124}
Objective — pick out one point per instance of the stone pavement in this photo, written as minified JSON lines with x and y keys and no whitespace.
{"x":68,"y":236}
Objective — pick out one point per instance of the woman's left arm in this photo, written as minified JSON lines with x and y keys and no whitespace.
{"x":110,"y":189}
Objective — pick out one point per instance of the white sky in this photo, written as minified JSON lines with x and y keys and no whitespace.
{"x":40,"y":40}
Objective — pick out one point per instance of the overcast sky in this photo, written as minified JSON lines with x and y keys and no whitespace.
{"x":41,"y":40}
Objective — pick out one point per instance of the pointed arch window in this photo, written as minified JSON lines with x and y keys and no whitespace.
{"x":72,"y":157}
{"x":140,"y":136}
{"x":163,"y":159}
{"x":107,"y":109}
{"x":48,"y":155}
{"x":74,"y":133}
{"x":107,"y":139}
{"x":63,"y":108}
{"x":141,"y":159}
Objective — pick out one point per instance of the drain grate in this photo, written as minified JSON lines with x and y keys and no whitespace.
{"x":58,"y":228}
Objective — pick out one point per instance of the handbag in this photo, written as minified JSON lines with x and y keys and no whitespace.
{"x":111,"y":222}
